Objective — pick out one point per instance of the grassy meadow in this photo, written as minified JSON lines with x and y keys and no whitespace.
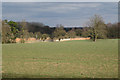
{"x":69,"y":59}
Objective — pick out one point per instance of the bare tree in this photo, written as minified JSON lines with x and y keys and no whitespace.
{"x":97,"y":27}
{"x":24,"y":31}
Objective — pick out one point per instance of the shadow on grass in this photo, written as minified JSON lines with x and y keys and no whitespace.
{"x":10,"y":76}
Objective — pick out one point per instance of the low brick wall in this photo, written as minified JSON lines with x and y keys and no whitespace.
{"x":18,"y":40}
{"x":80,"y":38}
{"x":28,"y":40}
{"x":31,"y":39}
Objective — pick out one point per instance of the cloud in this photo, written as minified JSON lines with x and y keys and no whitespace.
{"x":0,"y":10}
{"x":67,"y":13}
{"x":47,"y":7}
{"x":61,"y":1}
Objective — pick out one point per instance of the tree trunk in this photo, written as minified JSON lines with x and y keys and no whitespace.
{"x":43,"y":40}
{"x":94,"y":39}
{"x":59,"y":39}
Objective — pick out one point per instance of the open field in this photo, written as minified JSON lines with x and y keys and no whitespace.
{"x":70,"y":59}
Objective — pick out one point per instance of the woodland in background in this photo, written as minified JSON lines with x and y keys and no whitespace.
{"x":24,"y":30}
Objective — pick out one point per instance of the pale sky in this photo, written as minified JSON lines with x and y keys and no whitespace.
{"x":60,"y":0}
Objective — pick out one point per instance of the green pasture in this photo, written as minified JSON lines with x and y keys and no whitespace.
{"x":69,"y":59}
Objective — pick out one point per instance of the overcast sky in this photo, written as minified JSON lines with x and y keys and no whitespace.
{"x":60,"y":0}
{"x":66,"y":13}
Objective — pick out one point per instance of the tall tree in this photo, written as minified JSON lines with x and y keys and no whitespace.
{"x":59,"y":32}
{"x":71,"y":33}
{"x":113,"y":30}
{"x":97,"y":27}
{"x":24,"y":31}
{"x":14,"y":30}
{"x":6,"y":34}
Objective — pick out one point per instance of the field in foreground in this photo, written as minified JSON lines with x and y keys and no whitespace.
{"x":70,"y":59}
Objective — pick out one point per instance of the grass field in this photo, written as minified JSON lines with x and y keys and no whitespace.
{"x":70,"y":59}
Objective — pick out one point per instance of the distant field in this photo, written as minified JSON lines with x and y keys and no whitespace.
{"x":70,"y":59}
